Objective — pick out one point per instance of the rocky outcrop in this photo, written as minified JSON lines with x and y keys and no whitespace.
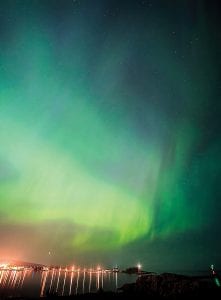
{"x":169,"y":285}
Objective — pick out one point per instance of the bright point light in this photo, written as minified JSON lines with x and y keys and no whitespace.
{"x":3,"y":265}
{"x":139,"y":266}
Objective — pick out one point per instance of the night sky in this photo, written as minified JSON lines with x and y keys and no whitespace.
{"x":110,"y":140}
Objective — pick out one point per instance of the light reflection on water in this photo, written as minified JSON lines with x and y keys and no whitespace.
{"x":27,"y":283}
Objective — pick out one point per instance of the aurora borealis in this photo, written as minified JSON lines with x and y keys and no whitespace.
{"x":110,"y":143}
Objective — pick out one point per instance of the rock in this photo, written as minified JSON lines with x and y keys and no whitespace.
{"x":168,"y":285}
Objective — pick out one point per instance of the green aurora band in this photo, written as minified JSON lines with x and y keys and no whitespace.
{"x":119,"y":158}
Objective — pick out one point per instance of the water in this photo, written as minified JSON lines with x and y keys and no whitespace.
{"x":190,"y":272}
{"x":27,"y":283}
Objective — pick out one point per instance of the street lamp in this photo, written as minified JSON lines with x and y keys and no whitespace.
{"x":139,"y":267}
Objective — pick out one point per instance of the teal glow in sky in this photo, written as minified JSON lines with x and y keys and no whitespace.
{"x":109,"y":130}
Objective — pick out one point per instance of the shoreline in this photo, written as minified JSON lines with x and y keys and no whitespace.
{"x":149,"y":286}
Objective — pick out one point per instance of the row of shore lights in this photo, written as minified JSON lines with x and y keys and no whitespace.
{"x":139,"y":266}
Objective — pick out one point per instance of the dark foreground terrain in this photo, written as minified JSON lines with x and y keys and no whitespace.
{"x":152,"y":286}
